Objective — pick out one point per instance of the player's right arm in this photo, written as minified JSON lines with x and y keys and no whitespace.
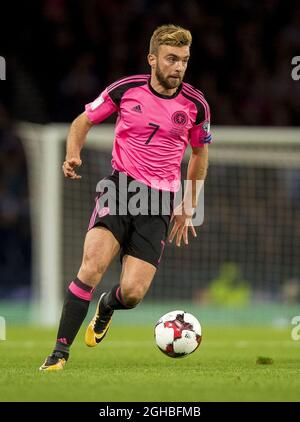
{"x":95,"y":112}
{"x":76,"y":139}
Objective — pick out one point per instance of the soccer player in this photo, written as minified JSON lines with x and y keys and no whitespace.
{"x":158,"y":116}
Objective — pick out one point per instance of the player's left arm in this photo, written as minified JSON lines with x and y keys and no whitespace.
{"x":183,"y":213}
{"x":196,"y":174}
{"x":199,"y":138}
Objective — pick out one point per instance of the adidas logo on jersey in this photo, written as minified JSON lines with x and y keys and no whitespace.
{"x":137,"y":108}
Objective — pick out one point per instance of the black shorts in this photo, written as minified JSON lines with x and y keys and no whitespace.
{"x":141,"y":230}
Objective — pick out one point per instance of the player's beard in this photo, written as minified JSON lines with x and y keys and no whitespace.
{"x":167,"y":82}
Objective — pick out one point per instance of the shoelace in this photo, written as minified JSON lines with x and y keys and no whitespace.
{"x":101,"y":322}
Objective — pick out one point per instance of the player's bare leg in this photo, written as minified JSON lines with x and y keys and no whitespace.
{"x":100,"y":247}
{"x":135,"y":280}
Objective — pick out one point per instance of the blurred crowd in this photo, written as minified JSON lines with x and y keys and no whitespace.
{"x":15,"y":236}
{"x":61,"y":54}
{"x":64,"y":52}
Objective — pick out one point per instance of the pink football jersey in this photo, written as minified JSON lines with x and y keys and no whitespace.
{"x":152,"y":130}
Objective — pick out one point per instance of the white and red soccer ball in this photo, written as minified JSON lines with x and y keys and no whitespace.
{"x":178,"y":334}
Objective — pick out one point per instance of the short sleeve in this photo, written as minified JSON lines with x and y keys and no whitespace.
{"x":199,"y":134}
{"x":101,"y":108}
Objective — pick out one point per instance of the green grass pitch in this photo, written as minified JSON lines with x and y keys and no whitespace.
{"x":127,"y":366}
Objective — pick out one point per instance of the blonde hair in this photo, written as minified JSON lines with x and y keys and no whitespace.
{"x":169,"y":35}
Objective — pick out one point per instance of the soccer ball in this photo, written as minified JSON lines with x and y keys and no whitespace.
{"x":178,"y":334}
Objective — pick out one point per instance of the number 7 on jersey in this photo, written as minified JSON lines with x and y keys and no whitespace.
{"x":156,"y":127}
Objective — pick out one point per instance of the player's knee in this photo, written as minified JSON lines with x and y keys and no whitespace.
{"x":132,"y":296}
{"x":92,"y":266}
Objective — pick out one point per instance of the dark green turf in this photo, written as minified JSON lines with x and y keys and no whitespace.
{"x":127,"y":366}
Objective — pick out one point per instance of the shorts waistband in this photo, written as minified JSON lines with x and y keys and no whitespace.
{"x":130,"y":179}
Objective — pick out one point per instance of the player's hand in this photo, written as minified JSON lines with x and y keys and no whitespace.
{"x":182,"y":223}
{"x":69,"y":168}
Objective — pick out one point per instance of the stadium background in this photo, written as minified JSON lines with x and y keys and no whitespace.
{"x":244,"y":266}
